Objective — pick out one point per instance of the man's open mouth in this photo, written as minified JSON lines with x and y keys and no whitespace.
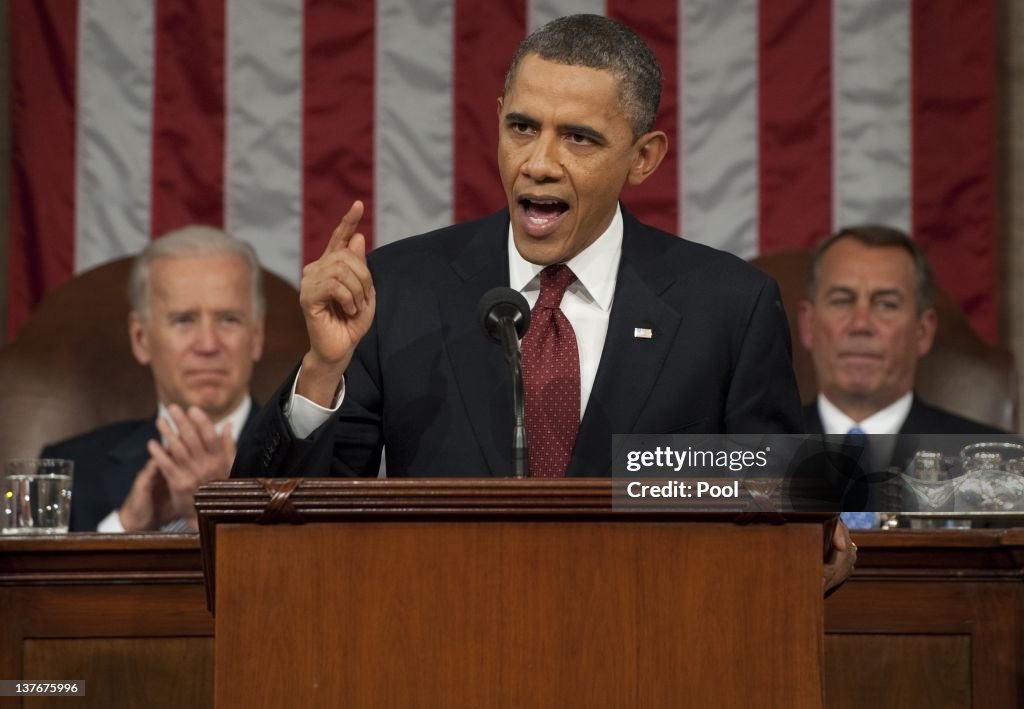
{"x":541,"y":215}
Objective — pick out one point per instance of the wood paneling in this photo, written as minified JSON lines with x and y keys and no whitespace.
{"x":126,"y":613}
{"x":962,"y":590}
{"x":519,"y":614}
{"x":508,"y":593}
{"x":898,"y":671}
{"x":925,"y":613}
{"x":149,"y":673}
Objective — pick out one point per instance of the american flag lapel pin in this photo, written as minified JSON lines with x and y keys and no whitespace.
{"x":642,"y":333}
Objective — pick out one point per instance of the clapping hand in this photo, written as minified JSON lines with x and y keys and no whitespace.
{"x":193,"y":453}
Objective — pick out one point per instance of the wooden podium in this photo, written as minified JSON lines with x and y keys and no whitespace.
{"x":486,"y":593}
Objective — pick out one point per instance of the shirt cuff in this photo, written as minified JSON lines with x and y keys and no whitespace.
{"x":304,"y":415}
{"x":111,"y":524}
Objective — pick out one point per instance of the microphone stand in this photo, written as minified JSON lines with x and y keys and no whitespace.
{"x":504,"y":315}
{"x":510,"y":345}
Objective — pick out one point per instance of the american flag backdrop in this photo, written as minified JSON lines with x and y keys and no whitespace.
{"x":786,"y":118}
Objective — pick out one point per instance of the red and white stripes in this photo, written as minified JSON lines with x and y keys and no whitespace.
{"x":786,"y":118}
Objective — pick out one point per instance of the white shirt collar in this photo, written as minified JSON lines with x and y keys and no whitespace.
{"x":596,"y":267}
{"x":888,"y":420}
{"x":236,"y":418}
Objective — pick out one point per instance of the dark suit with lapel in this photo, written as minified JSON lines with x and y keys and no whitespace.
{"x":106,"y":463}
{"x":925,"y":428}
{"x":430,"y":385}
{"x":922,"y":419}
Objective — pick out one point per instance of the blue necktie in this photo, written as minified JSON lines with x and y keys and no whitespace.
{"x":857,"y":437}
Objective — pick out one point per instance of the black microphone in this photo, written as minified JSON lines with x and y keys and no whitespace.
{"x":505,"y":315}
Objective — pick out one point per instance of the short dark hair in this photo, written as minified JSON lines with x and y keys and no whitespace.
{"x":596,"y":42}
{"x":877,"y":235}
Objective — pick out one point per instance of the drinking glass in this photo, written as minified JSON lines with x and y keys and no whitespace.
{"x":36,"y":496}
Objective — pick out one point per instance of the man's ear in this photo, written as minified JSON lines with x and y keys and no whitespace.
{"x":804,"y":317}
{"x":139,"y":338}
{"x":927,"y":324}
{"x":501,"y":103}
{"x":650,"y":151}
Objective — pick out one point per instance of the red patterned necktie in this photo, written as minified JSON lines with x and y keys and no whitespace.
{"x":551,"y":378}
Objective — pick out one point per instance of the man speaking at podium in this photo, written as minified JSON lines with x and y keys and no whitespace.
{"x":633,"y":330}
{"x":663,"y":335}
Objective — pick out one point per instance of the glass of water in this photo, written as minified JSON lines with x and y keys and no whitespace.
{"x":36,"y":496}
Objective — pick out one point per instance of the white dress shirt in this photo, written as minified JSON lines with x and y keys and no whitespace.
{"x":885,"y":421}
{"x":111,"y":524}
{"x":587,"y":305}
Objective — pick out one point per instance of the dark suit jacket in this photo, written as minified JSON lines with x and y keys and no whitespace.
{"x":435,"y":390}
{"x":922,"y":419}
{"x":107,"y":460}
{"x":925,"y":428}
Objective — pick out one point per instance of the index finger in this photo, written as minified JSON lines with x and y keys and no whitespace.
{"x":346,"y":229}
